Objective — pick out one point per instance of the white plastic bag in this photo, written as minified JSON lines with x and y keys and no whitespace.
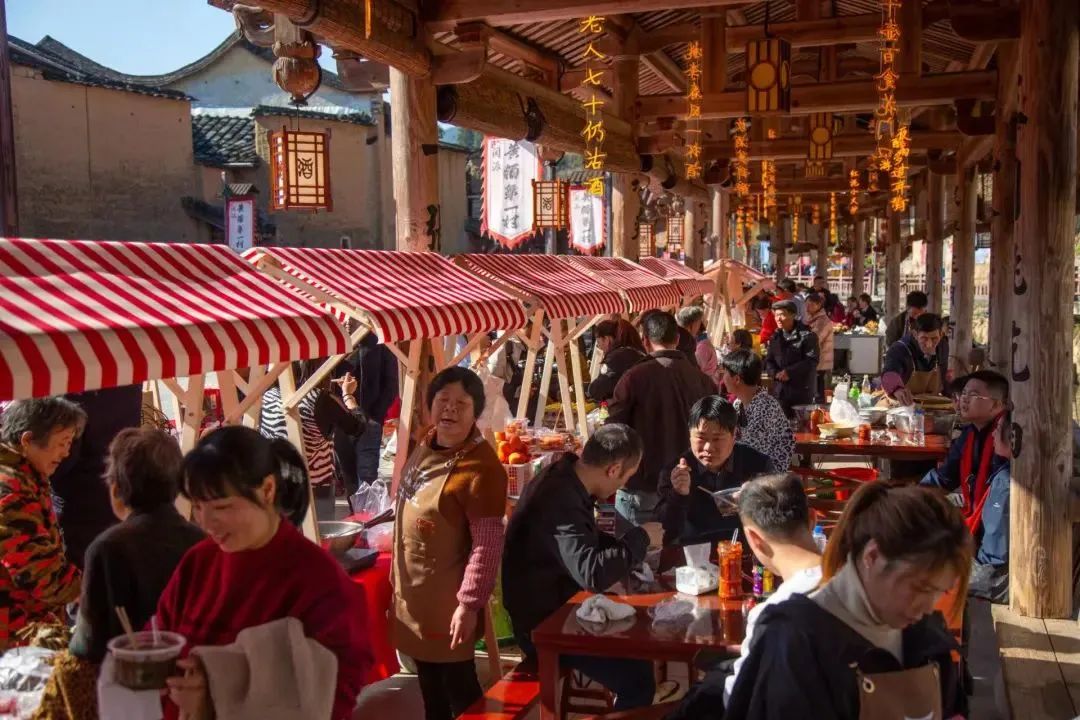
{"x":842,"y":411}
{"x":24,"y":671}
{"x":370,"y":499}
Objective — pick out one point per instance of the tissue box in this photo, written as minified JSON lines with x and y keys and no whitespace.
{"x":697,"y":580}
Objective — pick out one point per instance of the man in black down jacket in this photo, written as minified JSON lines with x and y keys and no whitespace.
{"x":654,"y":397}
{"x":793,"y":358}
{"x":376,"y":371}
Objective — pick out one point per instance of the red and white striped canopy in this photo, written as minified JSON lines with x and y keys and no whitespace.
{"x":84,"y":315}
{"x":561,"y":290}
{"x":642,"y":289}
{"x":408,"y":295}
{"x":690,"y":283}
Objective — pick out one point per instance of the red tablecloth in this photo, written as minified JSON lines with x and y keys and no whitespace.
{"x":375,"y":584}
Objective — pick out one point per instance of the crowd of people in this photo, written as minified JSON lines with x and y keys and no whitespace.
{"x":682,"y":419}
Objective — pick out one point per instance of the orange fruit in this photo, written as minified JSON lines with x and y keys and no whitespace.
{"x":518,"y":458}
{"x":500,"y":436}
{"x":518,"y":445}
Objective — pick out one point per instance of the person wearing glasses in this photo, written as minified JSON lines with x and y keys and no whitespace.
{"x":976,"y":476}
{"x":917,"y":363}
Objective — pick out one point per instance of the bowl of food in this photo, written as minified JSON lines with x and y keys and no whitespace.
{"x":835,"y":431}
{"x":339,"y":536}
{"x":803,"y":415}
{"x":145,"y":660}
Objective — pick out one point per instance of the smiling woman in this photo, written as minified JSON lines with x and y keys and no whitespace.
{"x":36,"y":580}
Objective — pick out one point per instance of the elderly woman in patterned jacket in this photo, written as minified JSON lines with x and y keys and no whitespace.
{"x":36,"y":578}
{"x":762,"y":422}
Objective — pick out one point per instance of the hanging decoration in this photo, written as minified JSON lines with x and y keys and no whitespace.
{"x":796,"y":218}
{"x":300,"y":170}
{"x":833,"y":237}
{"x":885,"y":114}
{"x":674,"y":234}
{"x":740,"y":224}
{"x":647,"y":240}
{"x":509,"y":169}
{"x":593,"y":132}
{"x":742,"y":158}
{"x":768,"y":73}
{"x":898,"y":180}
{"x":853,"y":201}
{"x":815,"y":214}
{"x":815,"y":169}
{"x":821,"y":137}
{"x":872,"y":174}
{"x":693,"y":116}
{"x":550,"y":204}
{"x":588,"y":221}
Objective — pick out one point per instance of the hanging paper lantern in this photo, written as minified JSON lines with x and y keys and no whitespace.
{"x":768,"y":73}
{"x":551,"y":206}
{"x":647,"y":240}
{"x":815,"y":169}
{"x":300,"y":170}
{"x":821,"y":136}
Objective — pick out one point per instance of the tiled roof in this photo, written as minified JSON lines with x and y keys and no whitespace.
{"x":355,"y":118}
{"x":223,"y":140}
{"x":60,"y":68}
{"x":60,"y":50}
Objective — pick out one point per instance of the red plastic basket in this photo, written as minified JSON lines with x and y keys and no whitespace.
{"x":844,"y":475}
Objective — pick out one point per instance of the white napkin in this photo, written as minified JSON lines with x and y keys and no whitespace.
{"x":600,"y":609}
{"x":116,"y":701}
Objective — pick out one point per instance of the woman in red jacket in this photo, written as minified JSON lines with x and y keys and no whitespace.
{"x":249,"y":493}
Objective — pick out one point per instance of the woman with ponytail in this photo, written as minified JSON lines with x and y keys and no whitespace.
{"x":249,"y":494}
{"x":868,"y":643}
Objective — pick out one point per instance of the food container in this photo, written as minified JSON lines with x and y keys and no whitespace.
{"x":339,"y":536}
{"x":697,"y":580}
{"x":802,"y":416}
{"x":518,"y":477}
{"x":873,"y":416}
{"x":837,"y":430}
{"x":145,"y":665}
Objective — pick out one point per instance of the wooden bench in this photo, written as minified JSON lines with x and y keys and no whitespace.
{"x":511,"y":698}
{"x":1040,"y":665}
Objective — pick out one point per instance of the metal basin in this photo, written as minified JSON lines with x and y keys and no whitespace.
{"x":338,"y":536}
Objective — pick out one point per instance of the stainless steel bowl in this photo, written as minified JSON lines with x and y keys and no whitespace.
{"x":339,"y":536}
{"x":873,"y":416}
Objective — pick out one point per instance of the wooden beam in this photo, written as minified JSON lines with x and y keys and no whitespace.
{"x":545,"y":63}
{"x":625,"y":200}
{"x":446,"y":14}
{"x":713,"y":34}
{"x":9,"y":203}
{"x":360,"y":75}
{"x":666,"y":69}
{"x":845,"y":96}
{"x":1041,"y":560}
{"x":850,"y":145}
{"x":415,"y":147}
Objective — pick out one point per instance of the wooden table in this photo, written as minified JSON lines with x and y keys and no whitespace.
{"x":717,"y":625}
{"x":936,"y":447}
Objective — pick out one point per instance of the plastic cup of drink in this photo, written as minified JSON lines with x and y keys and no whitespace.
{"x":144,"y":665}
{"x":729,"y":557}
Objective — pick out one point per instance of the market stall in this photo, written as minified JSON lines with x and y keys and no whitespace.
{"x":402,"y":297}
{"x":556,"y":292}
{"x":85,"y":315}
{"x":691,"y":284}
{"x":731,"y":299}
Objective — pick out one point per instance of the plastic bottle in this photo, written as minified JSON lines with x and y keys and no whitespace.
{"x":819,"y":538}
{"x":853,"y":394}
{"x":865,"y":393}
{"x":918,"y":434}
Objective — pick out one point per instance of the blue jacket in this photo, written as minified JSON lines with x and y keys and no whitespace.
{"x":993,"y":542}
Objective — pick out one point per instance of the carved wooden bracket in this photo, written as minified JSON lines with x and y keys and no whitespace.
{"x":971,"y":118}
{"x":256,"y":24}
{"x":971,"y":21}
{"x":360,"y":75}
{"x":465,"y":66}
{"x":296,"y":70}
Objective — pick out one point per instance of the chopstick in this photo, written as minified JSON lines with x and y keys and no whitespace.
{"x":125,"y":622}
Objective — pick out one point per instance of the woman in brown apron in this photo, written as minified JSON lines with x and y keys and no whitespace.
{"x":447,"y":545}
{"x":868,"y":644}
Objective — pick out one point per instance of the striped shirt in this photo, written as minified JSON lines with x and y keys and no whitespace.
{"x":318,"y":449}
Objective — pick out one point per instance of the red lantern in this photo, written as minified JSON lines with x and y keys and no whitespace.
{"x":551,"y":205}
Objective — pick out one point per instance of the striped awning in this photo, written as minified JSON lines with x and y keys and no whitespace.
{"x":742,"y":269}
{"x":84,"y":315}
{"x":407,"y":295}
{"x":690,"y":283}
{"x":642,"y":289}
{"x":561,"y":290}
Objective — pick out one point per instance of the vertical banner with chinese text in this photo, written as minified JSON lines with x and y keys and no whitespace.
{"x":588,"y":221}
{"x":509,"y":170}
{"x":240,"y":222}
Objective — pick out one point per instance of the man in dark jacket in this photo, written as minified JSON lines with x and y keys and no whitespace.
{"x":555,"y":550}
{"x":904,"y":323}
{"x":82,"y":500}
{"x":793,"y":358}
{"x":376,"y":370}
{"x":654,"y":397}
{"x":713,"y":462}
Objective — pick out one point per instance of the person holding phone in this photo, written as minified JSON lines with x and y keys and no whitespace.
{"x":713,"y":463}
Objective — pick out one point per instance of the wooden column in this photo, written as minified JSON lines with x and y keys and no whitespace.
{"x":935,"y":240}
{"x":718,"y":221}
{"x":893,"y":255}
{"x":822,"y":247}
{"x":1002,"y":245}
{"x":962,"y":292}
{"x":1042,"y":370}
{"x":713,"y":50}
{"x":383,"y":152}
{"x":780,"y":234}
{"x":692,"y":244}
{"x":625,"y":202}
{"x":858,"y":258}
{"x":9,"y":202}
{"x":415,"y":147}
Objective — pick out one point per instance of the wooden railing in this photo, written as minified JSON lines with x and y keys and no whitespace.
{"x":841,"y":285}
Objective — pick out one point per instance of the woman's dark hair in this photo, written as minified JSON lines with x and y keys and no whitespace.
{"x":144,"y":466}
{"x":745,"y":365}
{"x":865,"y":297}
{"x":928,"y":322}
{"x":469,"y":380}
{"x":714,"y":408}
{"x":913,"y":524}
{"x":777,"y":504}
{"x":237,"y":459}
{"x":40,"y":417}
{"x":743,"y":339}
{"x":612,"y":443}
{"x":622,"y":334}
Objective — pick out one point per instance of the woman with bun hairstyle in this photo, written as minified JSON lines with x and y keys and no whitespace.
{"x":868,"y":643}
{"x":249,"y":494}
